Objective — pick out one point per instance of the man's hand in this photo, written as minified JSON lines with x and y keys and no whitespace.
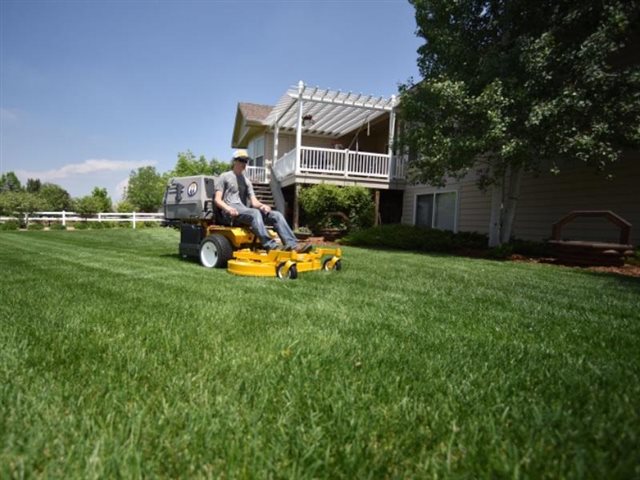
{"x":265,"y":208}
{"x":232,"y":211}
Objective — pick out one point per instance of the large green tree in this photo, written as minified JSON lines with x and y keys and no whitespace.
{"x":102,"y":199}
{"x":145,"y":189}
{"x":20,"y":203}
{"x":515,"y":86}
{"x":55,"y":198}
{"x":188,"y":165}
{"x":9,"y":182}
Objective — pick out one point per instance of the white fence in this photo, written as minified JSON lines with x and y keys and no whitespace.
{"x":64,"y":217}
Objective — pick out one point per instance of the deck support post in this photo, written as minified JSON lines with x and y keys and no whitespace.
{"x":299,"y":126}
{"x":296,"y":206}
{"x":377,"y":221}
{"x":392,"y":131}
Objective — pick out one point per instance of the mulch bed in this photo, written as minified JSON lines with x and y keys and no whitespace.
{"x":626,"y":270}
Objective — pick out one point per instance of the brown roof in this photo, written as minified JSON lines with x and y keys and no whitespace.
{"x":252,"y":112}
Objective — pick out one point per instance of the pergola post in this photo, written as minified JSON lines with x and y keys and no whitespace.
{"x":392,"y":131}
{"x":276,"y":133}
{"x":299,"y":127}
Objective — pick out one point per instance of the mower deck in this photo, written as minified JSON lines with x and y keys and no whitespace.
{"x":283,"y":264}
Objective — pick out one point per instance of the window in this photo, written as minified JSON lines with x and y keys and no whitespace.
{"x":256,"y":151}
{"x":436,"y":210}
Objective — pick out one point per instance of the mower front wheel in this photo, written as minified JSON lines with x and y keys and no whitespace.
{"x":332,"y":264}
{"x":215,"y":251}
{"x":291,"y":273}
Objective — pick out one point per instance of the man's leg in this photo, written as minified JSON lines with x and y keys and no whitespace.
{"x":253,"y":218}
{"x":277,"y":220}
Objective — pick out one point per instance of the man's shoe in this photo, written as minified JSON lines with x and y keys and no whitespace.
{"x":305,"y":248}
{"x":288,"y":248}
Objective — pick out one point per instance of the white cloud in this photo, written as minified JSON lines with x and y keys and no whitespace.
{"x":8,"y":115}
{"x":121,"y":187}
{"x":87,"y":167}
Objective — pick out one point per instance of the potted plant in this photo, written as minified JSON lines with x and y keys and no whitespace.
{"x":303,"y":233}
{"x":334,"y":225}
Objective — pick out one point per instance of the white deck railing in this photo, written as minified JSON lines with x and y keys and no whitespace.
{"x":285,"y":166}
{"x":64,"y":217}
{"x":257,"y":174}
{"x":342,"y":163}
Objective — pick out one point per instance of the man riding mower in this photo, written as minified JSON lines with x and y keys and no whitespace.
{"x":222,"y":230}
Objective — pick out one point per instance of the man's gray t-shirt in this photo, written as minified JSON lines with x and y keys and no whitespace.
{"x":227,"y":183}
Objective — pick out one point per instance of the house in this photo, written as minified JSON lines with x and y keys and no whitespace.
{"x":314,"y":135}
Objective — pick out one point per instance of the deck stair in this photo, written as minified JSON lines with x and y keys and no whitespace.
{"x":264,"y":194}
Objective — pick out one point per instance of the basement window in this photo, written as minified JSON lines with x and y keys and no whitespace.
{"x":437,"y":210}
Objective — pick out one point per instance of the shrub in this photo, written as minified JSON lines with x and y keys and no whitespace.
{"x":96,"y":225}
{"x":150,"y":224}
{"x":403,"y":237}
{"x":530,"y":248}
{"x":35,"y":226}
{"x":10,"y":225}
{"x":57,"y":226}
{"x":501,"y":252}
{"x":320,"y":201}
{"x":81,"y":225}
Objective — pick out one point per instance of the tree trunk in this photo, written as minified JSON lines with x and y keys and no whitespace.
{"x":504,"y":200}
{"x":514,"y":177}
{"x":496,"y":214}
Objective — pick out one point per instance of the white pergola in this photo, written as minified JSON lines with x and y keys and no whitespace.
{"x":326,"y":112}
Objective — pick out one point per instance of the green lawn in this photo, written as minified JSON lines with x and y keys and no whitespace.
{"x":118,"y":359}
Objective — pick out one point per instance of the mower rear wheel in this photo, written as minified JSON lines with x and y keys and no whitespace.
{"x":215,"y":251}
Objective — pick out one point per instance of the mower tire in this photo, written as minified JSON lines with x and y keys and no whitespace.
{"x":215,"y":251}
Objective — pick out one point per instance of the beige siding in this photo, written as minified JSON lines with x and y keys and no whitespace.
{"x":287,"y":142}
{"x":547,"y":198}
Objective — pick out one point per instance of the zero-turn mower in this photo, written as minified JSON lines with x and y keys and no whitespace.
{"x":188,"y":204}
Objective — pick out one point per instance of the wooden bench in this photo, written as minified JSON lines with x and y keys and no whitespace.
{"x":572,"y":252}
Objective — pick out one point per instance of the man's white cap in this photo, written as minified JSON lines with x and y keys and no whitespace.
{"x":241,"y":155}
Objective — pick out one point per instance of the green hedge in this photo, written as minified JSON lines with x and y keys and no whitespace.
{"x":406,"y":237}
{"x":10,"y":225}
{"x":35,"y":226}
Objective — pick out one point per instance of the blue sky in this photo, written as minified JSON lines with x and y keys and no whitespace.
{"x":93,"y":89}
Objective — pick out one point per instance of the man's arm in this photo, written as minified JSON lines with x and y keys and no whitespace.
{"x":217,"y":199}
{"x":255,"y":203}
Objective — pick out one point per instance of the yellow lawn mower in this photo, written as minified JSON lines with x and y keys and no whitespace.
{"x":188,"y":204}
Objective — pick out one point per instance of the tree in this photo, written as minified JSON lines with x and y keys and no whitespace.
{"x":88,"y":205}
{"x":103,"y":201}
{"x":19,"y":203}
{"x":146,"y":189}
{"x":511,"y":86}
{"x":188,"y":165}
{"x":33,"y":185}
{"x":55,"y":198}
{"x":125,"y":206}
{"x":9,"y":182}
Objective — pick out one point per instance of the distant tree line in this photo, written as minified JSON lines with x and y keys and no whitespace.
{"x":143,"y":194}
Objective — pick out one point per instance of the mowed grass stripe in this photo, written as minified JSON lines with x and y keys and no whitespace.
{"x":402,"y":365}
